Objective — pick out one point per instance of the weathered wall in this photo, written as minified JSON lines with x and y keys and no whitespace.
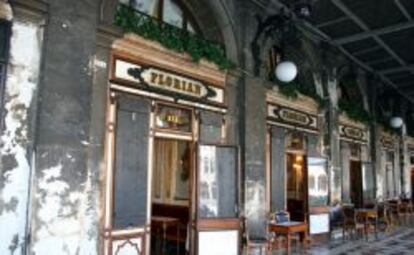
{"x":64,"y":209}
{"x":16,"y":139}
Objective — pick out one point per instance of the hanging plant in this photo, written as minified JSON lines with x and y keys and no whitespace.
{"x":354,"y":111}
{"x":171,"y":37}
{"x":293,"y":89}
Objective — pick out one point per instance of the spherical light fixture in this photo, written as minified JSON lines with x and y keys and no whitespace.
{"x":396,"y":122}
{"x":286,"y":71}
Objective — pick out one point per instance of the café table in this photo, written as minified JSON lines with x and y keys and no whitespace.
{"x":164,"y":223}
{"x":287,"y":229}
{"x":366,"y":215}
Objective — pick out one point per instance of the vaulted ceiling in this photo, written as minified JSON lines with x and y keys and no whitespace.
{"x":376,"y":34}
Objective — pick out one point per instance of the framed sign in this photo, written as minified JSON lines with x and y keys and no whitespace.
{"x":160,"y":81}
{"x":292,"y":118}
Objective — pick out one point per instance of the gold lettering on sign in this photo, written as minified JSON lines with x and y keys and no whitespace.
{"x":175,"y":83}
{"x":354,"y":133}
{"x":294,"y":117}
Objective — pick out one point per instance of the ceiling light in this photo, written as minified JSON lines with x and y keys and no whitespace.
{"x":286,"y":71}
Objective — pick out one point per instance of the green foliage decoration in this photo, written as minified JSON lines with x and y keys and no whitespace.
{"x":293,"y":89}
{"x":354,"y":111}
{"x":171,"y":37}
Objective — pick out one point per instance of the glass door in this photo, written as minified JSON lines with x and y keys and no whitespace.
{"x":217,"y":224}
{"x":318,"y":195}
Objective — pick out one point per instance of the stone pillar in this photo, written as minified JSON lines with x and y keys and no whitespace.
{"x":18,"y":117}
{"x":64,"y":216}
{"x":254,"y":156}
{"x":334,"y":152}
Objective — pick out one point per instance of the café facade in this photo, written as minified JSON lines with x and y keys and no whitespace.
{"x":132,"y":143}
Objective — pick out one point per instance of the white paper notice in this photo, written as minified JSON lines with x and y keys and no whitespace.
{"x":319,"y":223}
{"x":218,"y":243}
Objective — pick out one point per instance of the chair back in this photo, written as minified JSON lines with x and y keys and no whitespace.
{"x":348,"y":211}
{"x":282,"y":216}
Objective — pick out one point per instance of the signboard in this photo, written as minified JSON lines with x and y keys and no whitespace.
{"x":165,"y":82}
{"x":218,"y":242}
{"x":353,"y":133}
{"x":387,"y":142}
{"x":318,"y":223}
{"x":292,"y":117}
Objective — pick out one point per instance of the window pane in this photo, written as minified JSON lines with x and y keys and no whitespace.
{"x":173,"y":118}
{"x":146,"y":6}
{"x":217,"y":180}
{"x":191,"y":28}
{"x":317,"y":171}
{"x":130,"y":173}
{"x":172,"y":14}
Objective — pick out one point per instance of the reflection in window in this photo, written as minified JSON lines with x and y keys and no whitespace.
{"x":173,"y":118}
{"x":169,"y":11}
{"x":317,"y":172}
{"x":172,"y":14}
{"x":296,"y":141}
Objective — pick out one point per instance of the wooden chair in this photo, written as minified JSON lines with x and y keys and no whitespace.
{"x":385,"y":220}
{"x":405,"y":210}
{"x":351,"y":225}
{"x":393,"y":206}
{"x":254,"y":242}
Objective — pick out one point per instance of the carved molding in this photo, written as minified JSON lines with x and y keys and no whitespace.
{"x":302,"y":102}
{"x":345,"y":120}
{"x":152,"y":53}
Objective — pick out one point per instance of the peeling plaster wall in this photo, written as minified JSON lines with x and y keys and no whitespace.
{"x":65,"y":209}
{"x":15,"y":164}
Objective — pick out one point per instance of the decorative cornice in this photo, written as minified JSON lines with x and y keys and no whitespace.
{"x":345,"y":120}
{"x":302,"y":102}
{"x":152,"y":53}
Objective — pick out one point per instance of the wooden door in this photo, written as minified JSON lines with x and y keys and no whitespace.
{"x":217,"y":224}
{"x":127,"y":179}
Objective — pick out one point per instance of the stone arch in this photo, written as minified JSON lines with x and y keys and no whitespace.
{"x":218,"y":27}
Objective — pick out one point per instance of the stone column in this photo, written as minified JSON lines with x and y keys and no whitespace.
{"x":18,"y":115}
{"x":254,"y":156}
{"x":334,"y":152}
{"x":64,"y":197}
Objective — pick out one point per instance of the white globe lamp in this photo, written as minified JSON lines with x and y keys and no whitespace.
{"x":286,"y":71}
{"x":396,"y":122}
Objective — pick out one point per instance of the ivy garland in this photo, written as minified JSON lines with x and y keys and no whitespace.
{"x":293,"y":89}
{"x":171,"y":37}
{"x":354,"y":111}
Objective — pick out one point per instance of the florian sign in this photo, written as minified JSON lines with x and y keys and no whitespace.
{"x":353,"y":133}
{"x":164,"y":82}
{"x":291,"y":118}
{"x":387,"y":142}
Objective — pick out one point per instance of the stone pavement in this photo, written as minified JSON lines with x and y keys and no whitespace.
{"x":399,"y":242}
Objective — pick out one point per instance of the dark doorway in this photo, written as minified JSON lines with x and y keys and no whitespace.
{"x":356,"y":188}
{"x":171,"y":196}
{"x":297,"y":186}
